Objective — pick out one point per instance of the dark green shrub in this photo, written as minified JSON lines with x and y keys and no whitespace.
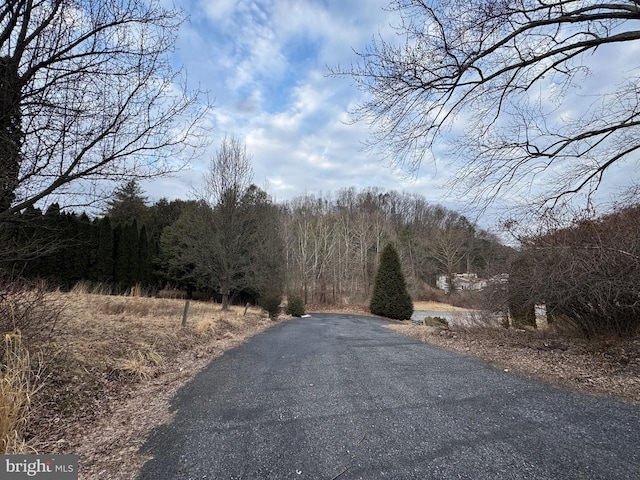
{"x":271,"y":304}
{"x":295,"y":306}
{"x":390,"y":297}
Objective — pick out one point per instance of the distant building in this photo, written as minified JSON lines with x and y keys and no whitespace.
{"x":468,"y":281}
{"x":443,"y":284}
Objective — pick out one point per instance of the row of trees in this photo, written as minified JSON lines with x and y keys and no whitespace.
{"x":334,"y":243}
{"x":226,"y":242}
{"x":235,"y":240}
{"x":327,"y":249}
{"x":232,"y":239}
{"x":88,"y":94}
{"x":65,"y":248}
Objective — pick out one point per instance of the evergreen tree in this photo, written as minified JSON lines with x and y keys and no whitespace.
{"x":66,"y":257}
{"x":144,"y":258}
{"x":179,"y":249}
{"x":83,"y":247}
{"x":28,"y":237}
{"x":128,"y":204}
{"x":164,"y":213}
{"x":390,"y":297}
{"x":104,"y":253}
{"x":127,"y":260}
{"x":51,"y":262}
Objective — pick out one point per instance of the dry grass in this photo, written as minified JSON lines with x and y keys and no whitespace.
{"x":364,"y":309}
{"x":16,"y":391}
{"x":112,"y":368}
{"x":437,"y":307}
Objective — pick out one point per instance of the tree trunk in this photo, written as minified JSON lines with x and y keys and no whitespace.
{"x":225,"y":301}
{"x":10,"y":132}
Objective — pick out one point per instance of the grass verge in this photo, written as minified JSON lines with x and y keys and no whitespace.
{"x":112,"y":367}
{"x":16,"y":392}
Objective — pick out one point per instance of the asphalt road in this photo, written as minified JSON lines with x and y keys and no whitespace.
{"x":340,"y":397}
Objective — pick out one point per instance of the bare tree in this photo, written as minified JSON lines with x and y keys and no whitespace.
{"x":230,"y":173}
{"x":508,"y":68}
{"x":87,"y":93}
{"x":333,"y":242}
{"x":229,"y":232}
{"x":450,"y":245}
{"x":312,"y":243}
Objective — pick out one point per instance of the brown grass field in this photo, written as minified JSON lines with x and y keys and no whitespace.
{"x":106,"y":377}
{"x":437,"y":307}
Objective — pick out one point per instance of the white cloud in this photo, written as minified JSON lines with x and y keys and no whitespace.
{"x":219,"y":10}
{"x":265,"y":64}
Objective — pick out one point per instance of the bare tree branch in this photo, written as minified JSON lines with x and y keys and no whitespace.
{"x":510,"y":70}
{"x":88,"y":94}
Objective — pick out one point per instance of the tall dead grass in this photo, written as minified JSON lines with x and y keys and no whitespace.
{"x":30,"y":308}
{"x":17,"y":388}
{"x":107,"y":344}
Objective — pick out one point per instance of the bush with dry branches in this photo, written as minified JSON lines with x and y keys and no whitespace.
{"x":28,"y":307}
{"x":588,"y":274}
{"x":29,"y":315}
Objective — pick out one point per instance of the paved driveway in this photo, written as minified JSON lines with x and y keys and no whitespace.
{"x":340,"y":397}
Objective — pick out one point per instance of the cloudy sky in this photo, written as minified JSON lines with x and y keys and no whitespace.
{"x":265,"y":64}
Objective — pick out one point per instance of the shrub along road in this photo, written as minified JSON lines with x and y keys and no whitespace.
{"x":341,"y":397}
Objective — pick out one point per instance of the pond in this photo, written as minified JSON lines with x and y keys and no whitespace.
{"x":419,"y":315}
{"x":460,"y":318}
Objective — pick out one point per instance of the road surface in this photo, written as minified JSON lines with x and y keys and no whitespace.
{"x":341,"y":397}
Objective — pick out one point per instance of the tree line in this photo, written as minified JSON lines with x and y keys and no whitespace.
{"x":98,"y":117}
{"x":65,"y":248}
{"x":334,"y":243}
{"x":324,"y":248}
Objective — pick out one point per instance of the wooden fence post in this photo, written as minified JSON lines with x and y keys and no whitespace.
{"x":185,"y":313}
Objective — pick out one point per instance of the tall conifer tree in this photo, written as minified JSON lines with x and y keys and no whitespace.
{"x":144,"y":258}
{"x":390,"y":297}
{"x":104,"y":254}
